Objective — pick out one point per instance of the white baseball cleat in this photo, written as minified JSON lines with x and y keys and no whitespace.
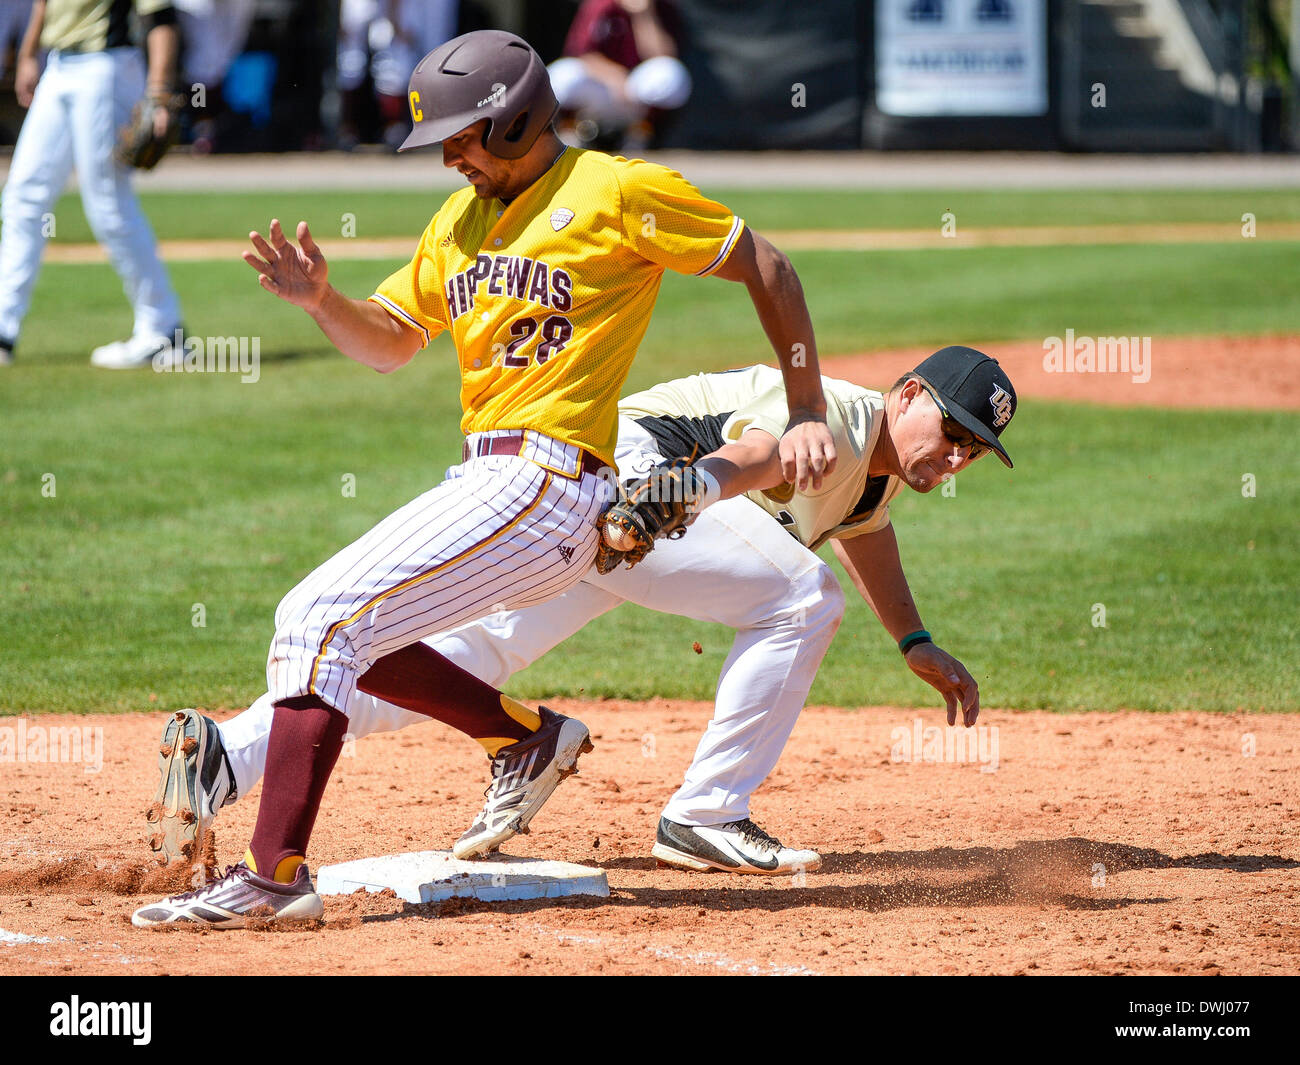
{"x":734,"y":847}
{"x":240,"y":896}
{"x":135,"y":353}
{"x":523,"y":777}
{"x":194,"y":781}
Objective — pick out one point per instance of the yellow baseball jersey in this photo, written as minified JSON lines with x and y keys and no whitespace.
{"x":547,"y":298}
{"x":708,"y":410}
{"x":92,"y":25}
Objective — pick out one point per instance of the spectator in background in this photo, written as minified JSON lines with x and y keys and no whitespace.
{"x":213,"y":33}
{"x":621,"y":70}
{"x":385,"y":38}
{"x":355,"y":19}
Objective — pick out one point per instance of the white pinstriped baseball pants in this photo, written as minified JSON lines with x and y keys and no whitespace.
{"x":735,"y":566}
{"x":500,"y":533}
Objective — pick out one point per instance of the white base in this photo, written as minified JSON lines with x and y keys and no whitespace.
{"x":430,"y":876}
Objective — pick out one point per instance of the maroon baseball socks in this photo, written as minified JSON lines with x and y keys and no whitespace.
{"x":418,"y":678}
{"x":294,"y":783}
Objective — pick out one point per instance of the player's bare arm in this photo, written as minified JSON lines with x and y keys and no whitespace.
{"x":651,"y":37}
{"x":28,"y":68}
{"x":807,"y":450}
{"x":298,"y":274}
{"x":631,"y":525}
{"x":163,"y":45}
{"x":874,"y":566}
{"x":751,"y":464}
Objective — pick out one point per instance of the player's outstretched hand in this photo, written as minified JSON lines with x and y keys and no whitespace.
{"x":949,"y":678}
{"x":807,"y":453}
{"x":294,"y":273}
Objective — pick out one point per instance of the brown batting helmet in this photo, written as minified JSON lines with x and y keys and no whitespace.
{"x":485,"y":74}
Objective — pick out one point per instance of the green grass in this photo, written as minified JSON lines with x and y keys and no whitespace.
{"x":397,"y":213}
{"x":864,"y":301}
{"x":859,"y":301}
{"x":1140,"y":513}
{"x":172,"y":491}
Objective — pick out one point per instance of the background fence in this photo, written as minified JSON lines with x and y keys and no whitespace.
{"x":1086,"y":75}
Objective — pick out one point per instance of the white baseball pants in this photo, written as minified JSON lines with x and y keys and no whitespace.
{"x":735,"y":566}
{"x":81,"y":102}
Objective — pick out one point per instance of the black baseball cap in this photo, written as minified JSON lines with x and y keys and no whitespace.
{"x":975,"y":390}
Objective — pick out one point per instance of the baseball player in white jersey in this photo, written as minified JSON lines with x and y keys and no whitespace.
{"x":92,"y":80}
{"x":545,"y":272}
{"x":747,"y":563}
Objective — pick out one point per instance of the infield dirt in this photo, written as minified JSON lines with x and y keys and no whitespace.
{"x":1101,"y":843}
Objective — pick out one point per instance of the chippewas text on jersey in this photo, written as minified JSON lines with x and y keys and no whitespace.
{"x":512,"y":275}
{"x":547,"y":298}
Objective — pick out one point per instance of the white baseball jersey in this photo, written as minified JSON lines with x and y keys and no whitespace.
{"x":701,"y":413}
{"x":93,"y":25}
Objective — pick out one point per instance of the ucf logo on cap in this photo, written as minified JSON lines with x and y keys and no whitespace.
{"x":1001,"y":403}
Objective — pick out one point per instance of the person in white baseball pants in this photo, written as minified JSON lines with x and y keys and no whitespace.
{"x":620,"y":66}
{"x":215,"y":32}
{"x":744,"y":563}
{"x":736,"y":567}
{"x":388,"y":39}
{"x":83,"y":98}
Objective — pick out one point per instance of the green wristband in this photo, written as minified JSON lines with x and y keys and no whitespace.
{"x":912,"y":639}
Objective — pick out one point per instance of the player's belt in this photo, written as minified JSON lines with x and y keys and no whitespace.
{"x":87,"y":49}
{"x":565,"y":459}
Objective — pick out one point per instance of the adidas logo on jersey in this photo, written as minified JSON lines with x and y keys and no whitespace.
{"x":566,"y":553}
{"x":560,"y":218}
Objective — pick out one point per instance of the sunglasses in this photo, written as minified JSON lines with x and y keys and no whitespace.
{"x":953,"y":431}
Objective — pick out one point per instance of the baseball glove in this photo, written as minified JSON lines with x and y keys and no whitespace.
{"x":139,"y":143}
{"x":659,"y":506}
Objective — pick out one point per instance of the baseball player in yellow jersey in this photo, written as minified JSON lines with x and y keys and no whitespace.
{"x":747,"y":563}
{"x":544,"y":273}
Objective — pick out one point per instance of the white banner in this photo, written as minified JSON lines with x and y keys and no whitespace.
{"x":961,"y":57}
